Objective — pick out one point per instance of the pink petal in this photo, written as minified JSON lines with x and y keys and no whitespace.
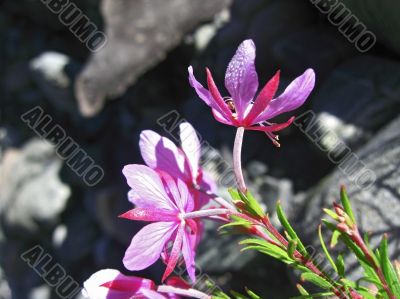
{"x":188,"y":255}
{"x":272,"y":128}
{"x":112,"y":284}
{"x":222,"y":119}
{"x":293,"y":97}
{"x":218,"y":100}
{"x":147,"y":244}
{"x":264,"y":98}
{"x":241,"y":78}
{"x":147,"y":186}
{"x":161,"y":153}
{"x":150,"y":214}
{"x":170,"y":186}
{"x":191,"y":147}
{"x":203,"y":93}
{"x":175,"y":253}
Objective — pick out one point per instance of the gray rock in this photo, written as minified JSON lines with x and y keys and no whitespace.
{"x":376,"y":202}
{"x":357,"y":99}
{"x":277,"y":20}
{"x":54,"y":74}
{"x":5,"y":292}
{"x":139,"y":35}
{"x":319,"y":48}
{"x":31,"y":189}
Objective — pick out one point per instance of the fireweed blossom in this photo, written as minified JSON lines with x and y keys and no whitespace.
{"x":160,"y":153}
{"x":240,"y":109}
{"x":168,"y":204}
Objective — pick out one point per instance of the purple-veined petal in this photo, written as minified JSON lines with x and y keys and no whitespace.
{"x":175,"y":252}
{"x":148,"y":186}
{"x":147,"y":244}
{"x":202,"y":92}
{"x":293,"y":97}
{"x":222,"y":119}
{"x":185,"y":200}
{"x":241,"y":78}
{"x":191,"y":147}
{"x":170,"y":186}
{"x":161,"y":153}
{"x":188,"y":252}
{"x":150,"y":214}
{"x":264,"y":98}
{"x":111,"y":284}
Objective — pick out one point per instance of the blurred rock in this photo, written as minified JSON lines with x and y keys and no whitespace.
{"x":375,"y":202}
{"x":31,"y":191}
{"x":380,"y":18}
{"x":5,"y":292}
{"x":358,"y":98}
{"x":256,"y":169}
{"x":318,"y":48}
{"x":54,"y":73}
{"x":277,"y":20}
{"x":139,"y":35}
{"x":40,"y":292}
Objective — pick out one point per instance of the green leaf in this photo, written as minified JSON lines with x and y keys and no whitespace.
{"x":291,"y":248}
{"x":238,"y":295}
{"x":346,"y":204}
{"x":387,"y":268}
{"x":302,"y":290}
{"x":285,"y":223}
{"x":340,"y":265}
{"x":234,"y":194}
{"x":316,"y":295}
{"x":331,"y":213}
{"x":335,"y":236}
{"x":328,"y":256}
{"x":354,"y":248}
{"x":252,"y":204}
{"x":317,"y":280}
{"x":251,"y":294}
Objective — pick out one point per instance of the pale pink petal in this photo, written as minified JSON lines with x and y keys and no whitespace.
{"x":272,"y":128}
{"x":150,"y":294}
{"x":147,"y":186}
{"x":206,"y":183}
{"x":191,"y":147}
{"x":185,"y":199}
{"x":170,"y":186}
{"x":188,"y":255}
{"x":147,"y":244}
{"x":241,"y":78}
{"x":175,"y":252}
{"x":111,"y":284}
{"x":293,"y":97}
{"x":202,"y":92}
{"x":161,"y":153}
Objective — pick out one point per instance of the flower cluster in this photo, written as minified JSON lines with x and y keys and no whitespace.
{"x":172,"y":192}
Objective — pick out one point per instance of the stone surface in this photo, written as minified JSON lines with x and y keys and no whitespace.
{"x":377,"y":208}
{"x":139,"y":35}
{"x":31,"y":188}
{"x":379,"y":17}
{"x":358,"y":98}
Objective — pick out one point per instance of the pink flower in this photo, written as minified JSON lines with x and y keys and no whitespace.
{"x":240,"y":109}
{"x":164,"y":202}
{"x":160,"y":153}
{"x":111,"y":284}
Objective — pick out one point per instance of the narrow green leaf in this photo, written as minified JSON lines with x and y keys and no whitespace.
{"x":331,"y":213}
{"x":291,"y":248}
{"x":302,"y":290}
{"x":316,"y":295}
{"x":317,"y":280}
{"x":285,"y":223}
{"x":252,"y":204}
{"x":340,"y":265}
{"x":387,"y":268}
{"x":238,"y":295}
{"x":346,"y":204}
{"x":335,"y":236}
{"x":234,"y":194}
{"x":251,"y":294}
{"x":354,"y":248}
{"x":328,"y":256}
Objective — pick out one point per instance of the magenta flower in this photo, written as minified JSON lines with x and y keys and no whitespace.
{"x":111,"y":284}
{"x":160,"y":153}
{"x":240,"y":109}
{"x":168,"y":204}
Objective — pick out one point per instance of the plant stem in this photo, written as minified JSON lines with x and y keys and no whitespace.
{"x":237,"y":159}
{"x":223,"y":202}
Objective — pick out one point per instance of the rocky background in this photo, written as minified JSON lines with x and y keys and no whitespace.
{"x":103,"y":101}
